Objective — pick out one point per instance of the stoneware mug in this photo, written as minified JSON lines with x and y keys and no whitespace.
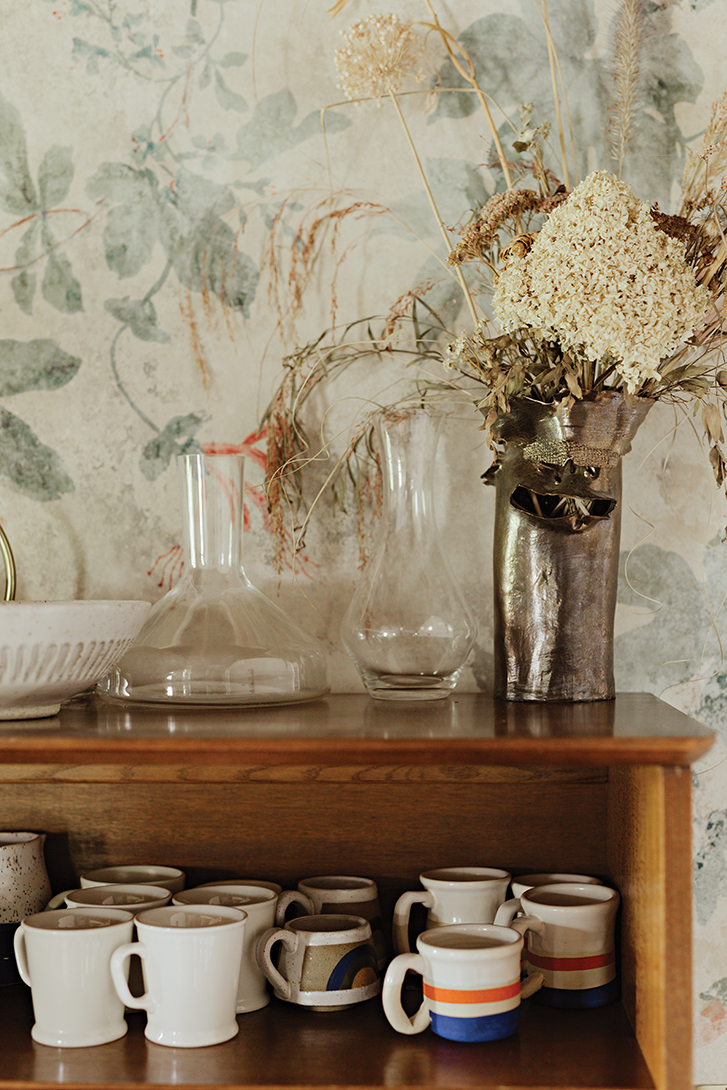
{"x":352,"y":896}
{"x":326,"y":962}
{"x":451,"y":895}
{"x":191,"y":964}
{"x":471,"y":980}
{"x":64,"y":955}
{"x":521,"y":883}
{"x":171,"y":878}
{"x":264,"y":908}
{"x":575,"y":948}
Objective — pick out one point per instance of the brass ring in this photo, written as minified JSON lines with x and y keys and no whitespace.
{"x":9,"y":562}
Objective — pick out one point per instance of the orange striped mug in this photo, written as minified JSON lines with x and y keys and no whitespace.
{"x":575,"y":946}
{"x":471,"y":979}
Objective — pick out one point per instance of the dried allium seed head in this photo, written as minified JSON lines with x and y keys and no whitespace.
{"x":379,"y":51}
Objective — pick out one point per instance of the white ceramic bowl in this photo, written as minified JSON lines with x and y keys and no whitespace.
{"x":49,"y":651}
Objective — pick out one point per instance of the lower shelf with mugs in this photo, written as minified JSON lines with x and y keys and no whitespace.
{"x":326,"y":790}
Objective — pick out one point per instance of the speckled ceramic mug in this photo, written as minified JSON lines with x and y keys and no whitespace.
{"x":326,"y":962}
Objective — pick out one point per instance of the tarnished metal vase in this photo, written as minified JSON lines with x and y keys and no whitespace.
{"x":557,"y":476}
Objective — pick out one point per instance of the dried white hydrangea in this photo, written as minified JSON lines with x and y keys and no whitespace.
{"x":605,"y":282}
{"x":379,"y":51}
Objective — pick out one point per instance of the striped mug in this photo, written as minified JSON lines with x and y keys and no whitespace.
{"x":471,"y":980}
{"x":575,"y":946}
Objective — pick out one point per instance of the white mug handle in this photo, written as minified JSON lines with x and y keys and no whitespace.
{"x":21,"y":955}
{"x":391,"y":995}
{"x":59,"y":901}
{"x":119,"y":975}
{"x":534,"y":980}
{"x":507,"y":912}
{"x":292,"y":897}
{"x":402,"y":911}
{"x":262,"y":955}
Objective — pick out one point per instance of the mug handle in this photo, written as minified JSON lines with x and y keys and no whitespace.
{"x":292,"y":897}
{"x":59,"y":901}
{"x":534,"y":980}
{"x":402,"y":911}
{"x":21,"y":955}
{"x":391,"y":995}
{"x":120,"y":977}
{"x":262,"y":955}
{"x":507,"y":912}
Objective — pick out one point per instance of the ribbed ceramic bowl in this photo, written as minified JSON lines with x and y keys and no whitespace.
{"x":49,"y":651}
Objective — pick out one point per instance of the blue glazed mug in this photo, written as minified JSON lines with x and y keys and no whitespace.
{"x":471,"y":981}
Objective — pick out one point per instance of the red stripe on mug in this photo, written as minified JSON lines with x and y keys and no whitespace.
{"x":595,"y":961}
{"x":479,"y":995}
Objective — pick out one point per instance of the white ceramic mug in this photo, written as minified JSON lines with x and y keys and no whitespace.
{"x":191,"y":962}
{"x":451,"y":895}
{"x":332,"y":894}
{"x":171,"y":878}
{"x":575,"y":948}
{"x":131,"y":898}
{"x":64,"y":956}
{"x":264,"y":909}
{"x":521,"y":883}
{"x":326,"y":962}
{"x":471,"y":980}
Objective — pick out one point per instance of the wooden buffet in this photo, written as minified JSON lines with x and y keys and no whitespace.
{"x":349,"y":785}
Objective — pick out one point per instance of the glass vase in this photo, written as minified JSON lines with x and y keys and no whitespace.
{"x":214,"y":639}
{"x":408,"y":628}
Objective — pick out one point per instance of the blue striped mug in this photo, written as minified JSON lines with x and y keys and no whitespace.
{"x":574,"y":946}
{"x":471,"y":980}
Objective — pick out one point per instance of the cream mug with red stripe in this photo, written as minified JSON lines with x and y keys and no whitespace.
{"x":471,"y":981}
{"x":575,"y":949}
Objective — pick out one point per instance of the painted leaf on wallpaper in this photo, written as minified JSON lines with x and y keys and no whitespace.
{"x":17,"y":192}
{"x":272,"y":130}
{"x":34,"y":365}
{"x":140,"y":316}
{"x":132,"y":226}
{"x":32,"y":467}
{"x":709,"y":864}
{"x":195,"y":232}
{"x":511,"y":59}
{"x":176,"y":438}
{"x":60,"y":287}
{"x":55,"y":175}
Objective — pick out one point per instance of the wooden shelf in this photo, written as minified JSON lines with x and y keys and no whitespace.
{"x":349,"y":785}
{"x":282,"y":1046}
{"x":635,"y":728}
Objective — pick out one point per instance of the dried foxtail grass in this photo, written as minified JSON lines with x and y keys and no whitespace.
{"x":629,"y":31}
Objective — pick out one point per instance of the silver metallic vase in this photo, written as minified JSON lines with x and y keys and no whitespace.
{"x":556,"y":545}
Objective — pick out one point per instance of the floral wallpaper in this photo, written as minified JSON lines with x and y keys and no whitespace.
{"x":186,"y":195}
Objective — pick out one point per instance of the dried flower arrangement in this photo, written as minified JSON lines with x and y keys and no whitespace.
{"x":590,"y":289}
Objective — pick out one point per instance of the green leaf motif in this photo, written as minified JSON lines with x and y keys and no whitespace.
{"x":17,"y":192}
{"x":228,"y":100}
{"x":32,"y":467}
{"x":24,"y":285}
{"x":131,"y":228}
{"x":140,"y":316}
{"x":176,"y":438}
{"x":60,"y":287}
{"x":271,"y":130}
{"x":233,"y":60}
{"x":55,"y":176}
{"x":34,"y":365}
{"x":203,"y":247}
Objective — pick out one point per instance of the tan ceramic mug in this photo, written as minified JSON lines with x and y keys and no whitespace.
{"x":326,"y":962}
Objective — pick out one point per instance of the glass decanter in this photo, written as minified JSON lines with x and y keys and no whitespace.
{"x":408,"y":628}
{"x":214,"y":639}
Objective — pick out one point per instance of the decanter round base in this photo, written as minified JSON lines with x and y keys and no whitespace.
{"x":408,"y":687}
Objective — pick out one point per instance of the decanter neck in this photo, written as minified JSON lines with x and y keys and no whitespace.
{"x":212,"y":496}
